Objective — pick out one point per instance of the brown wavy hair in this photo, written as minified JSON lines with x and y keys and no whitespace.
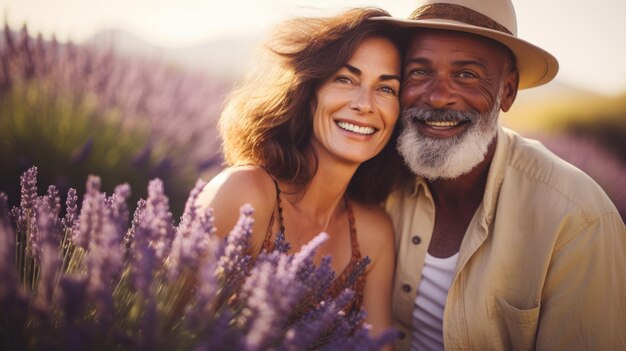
{"x":268,"y":120}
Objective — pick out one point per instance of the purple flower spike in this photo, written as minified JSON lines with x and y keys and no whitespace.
{"x":235,"y":262}
{"x":281,"y":244}
{"x":261,"y":315}
{"x":310,"y":330}
{"x":305,"y":256}
{"x":119,"y":208}
{"x":320,"y":279}
{"x":47,"y":251}
{"x":28,"y":182}
{"x":192,"y":235}
{"x":91,"y":214}
{"x":52,"y":196}
{"x":71,"y":210}
{"x":206,"y":289}
{"x":104,"y":264}
{"x":191,"y":207}
{"x":129,"y":238}
{"x":357,"y":270}
{"x":156,"y":228}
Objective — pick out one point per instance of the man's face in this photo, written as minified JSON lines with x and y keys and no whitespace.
{"x":454,"y":86}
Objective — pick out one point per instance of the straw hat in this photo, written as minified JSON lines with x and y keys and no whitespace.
{"x":494,"y":19}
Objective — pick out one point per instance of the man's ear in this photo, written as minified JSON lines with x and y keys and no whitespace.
{"x":509,"y":89}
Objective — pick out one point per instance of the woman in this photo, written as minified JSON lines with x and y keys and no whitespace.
{"x":308,"y":147}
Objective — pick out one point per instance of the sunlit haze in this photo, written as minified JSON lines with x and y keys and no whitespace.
{"x":586,"y":37}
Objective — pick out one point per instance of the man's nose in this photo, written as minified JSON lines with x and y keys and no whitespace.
{"x":440,"y":94}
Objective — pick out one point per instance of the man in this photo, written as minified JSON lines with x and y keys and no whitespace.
{"x":500,"y":244}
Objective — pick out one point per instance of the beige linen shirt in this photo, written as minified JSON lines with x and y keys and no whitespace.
{"x":542,"y":264}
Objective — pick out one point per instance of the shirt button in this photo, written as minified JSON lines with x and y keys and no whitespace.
{"x":416,"y":240}
{"x":401,"y":335}
{"x":406,"y":288}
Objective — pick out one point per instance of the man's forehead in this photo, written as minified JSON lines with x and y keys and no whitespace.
{"x":421,"y":36}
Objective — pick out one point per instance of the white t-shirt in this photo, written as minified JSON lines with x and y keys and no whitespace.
{"x":436,"y":279}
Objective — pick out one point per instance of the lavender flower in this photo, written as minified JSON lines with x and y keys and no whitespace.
{"x":71,"y":212}
{"x":320,"y":279}
{"x":48,"y":255}
{"x":156,"y":230}
{"x":271,"y":291}
{"x":104,"y":263}
{"x":193,"y":234}
{"x":206,"y":294}
{"x":235,"y":262}
{"x":54,"y":202}
{"x":215,"y":298}
{"x":129,"y":238}
{"x":312,"y":328}
{"x":91,"y":214}
{"x":281,"y":244}
{"x":118,"y":209}
{"x":28,"y":192}
{"x":28,"y":182}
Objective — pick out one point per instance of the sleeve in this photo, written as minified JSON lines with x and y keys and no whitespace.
{"x":583,"y":303}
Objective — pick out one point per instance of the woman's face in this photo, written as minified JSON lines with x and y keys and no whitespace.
{"x":355,"y":110}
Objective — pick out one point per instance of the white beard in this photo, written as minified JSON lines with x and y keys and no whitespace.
{"x":446,"y":158}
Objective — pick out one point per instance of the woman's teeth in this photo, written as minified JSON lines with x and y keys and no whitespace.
{"x":356,"y":129}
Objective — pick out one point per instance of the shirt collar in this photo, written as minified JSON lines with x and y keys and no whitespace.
{"x":495,"y":176}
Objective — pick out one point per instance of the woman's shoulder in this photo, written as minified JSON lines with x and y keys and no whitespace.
{"x":243,"y":182}
{"x":235,"y":186}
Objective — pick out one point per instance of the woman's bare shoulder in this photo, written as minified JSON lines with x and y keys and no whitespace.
{"x":229,"y":190}
{"x":243,"y":182}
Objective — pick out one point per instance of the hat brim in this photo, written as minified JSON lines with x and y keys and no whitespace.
{"x":536,"y":66}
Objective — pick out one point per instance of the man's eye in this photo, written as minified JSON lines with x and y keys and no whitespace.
{"x":418,"y":72}
{"x":468,"y":74}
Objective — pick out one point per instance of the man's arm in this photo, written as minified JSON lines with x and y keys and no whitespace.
{"x":583,"y":303}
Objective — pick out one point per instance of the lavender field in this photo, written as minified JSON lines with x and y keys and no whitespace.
{"x":73,"y":110}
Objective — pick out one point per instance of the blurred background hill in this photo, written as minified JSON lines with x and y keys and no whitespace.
{"x":130,"y":110}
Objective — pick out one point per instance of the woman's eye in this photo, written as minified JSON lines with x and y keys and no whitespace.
{"x":343,"y":79}
{"x":388,"y":90}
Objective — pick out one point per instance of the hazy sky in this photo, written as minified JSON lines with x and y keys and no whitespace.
{"x":588,"y":40}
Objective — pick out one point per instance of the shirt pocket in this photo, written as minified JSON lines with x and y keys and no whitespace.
{"x":512,"y":328}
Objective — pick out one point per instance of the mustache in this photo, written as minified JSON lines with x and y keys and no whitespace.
{"x":423,"y":114}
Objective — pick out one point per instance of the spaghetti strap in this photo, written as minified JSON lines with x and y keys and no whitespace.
{"x":342,"y":279}
{"x":267,"y":242}
{"x":356,"y":252}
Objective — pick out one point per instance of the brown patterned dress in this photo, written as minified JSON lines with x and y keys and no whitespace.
{"x":338,"y":283}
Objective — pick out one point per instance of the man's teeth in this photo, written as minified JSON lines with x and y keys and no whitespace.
{"x":356,"y":129}
{"x":445,"y":124}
